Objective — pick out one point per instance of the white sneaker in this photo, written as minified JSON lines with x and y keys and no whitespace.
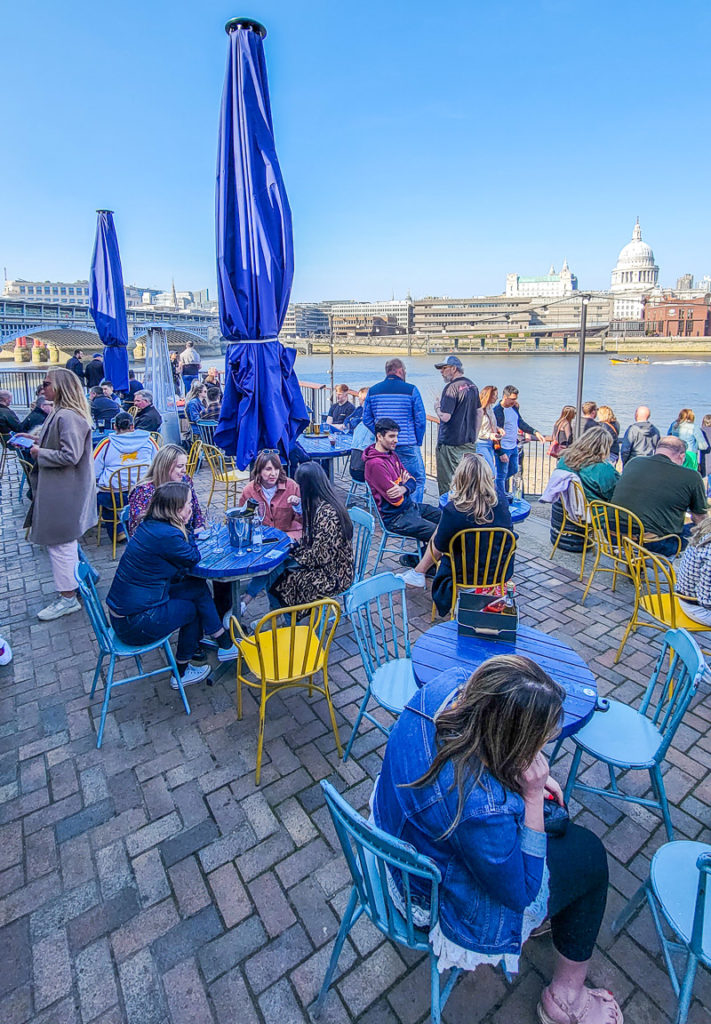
{"x":192,"y":674}
{"x":62,"y":606}
{"x":226,"y":619}
{"x":228,"y":654}
{"x":413,"y":578}
{"x":5,"y":652}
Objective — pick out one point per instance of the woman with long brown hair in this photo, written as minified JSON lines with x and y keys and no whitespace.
{"x":562,"y":433}
{"x":489,"y":432}
{"x":464,"y":781}
{"x":152,"y":595}
{"x":63,"y":486}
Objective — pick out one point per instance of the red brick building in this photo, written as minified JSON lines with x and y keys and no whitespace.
{"x":678,"y":318}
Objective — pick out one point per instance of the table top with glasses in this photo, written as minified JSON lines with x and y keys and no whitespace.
{"x":318,"y":446}
{"x":519,"y":508}
{"x":441,"y":647}
{"x":220,"y":561}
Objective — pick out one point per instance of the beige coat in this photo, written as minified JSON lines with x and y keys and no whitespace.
{"x":63,"y":484}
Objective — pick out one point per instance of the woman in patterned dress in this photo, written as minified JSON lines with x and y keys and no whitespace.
{"x":168,"y":466}
{"x":322,"y":563}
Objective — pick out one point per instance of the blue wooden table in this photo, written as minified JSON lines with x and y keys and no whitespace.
{"x":234,"y":568}
{"x":519,"y":508}
{"x":441,"y":647}
{"x":319,"y":447}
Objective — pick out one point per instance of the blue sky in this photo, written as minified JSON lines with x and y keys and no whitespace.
{"x":424,"y":147}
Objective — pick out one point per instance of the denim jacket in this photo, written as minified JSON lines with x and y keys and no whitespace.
{"x":491,"y":864}
{"x":156,"y":556}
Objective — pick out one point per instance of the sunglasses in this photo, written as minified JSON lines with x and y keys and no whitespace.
{"x":46,"y":383}
{"x":269,"y":451}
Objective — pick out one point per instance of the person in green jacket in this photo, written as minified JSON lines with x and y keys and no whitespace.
{"x":588,"y":458}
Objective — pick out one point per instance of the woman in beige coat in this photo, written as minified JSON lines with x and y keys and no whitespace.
{"x":63,"y":485}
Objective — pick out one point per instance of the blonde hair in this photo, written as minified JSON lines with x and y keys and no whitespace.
{"x":605,"y":414}
{"x":591,"y":447}
{"x":163,"y":462}
{"x":700,"y":533}
{"x":473,"y":489}
{"x":68,"y":392}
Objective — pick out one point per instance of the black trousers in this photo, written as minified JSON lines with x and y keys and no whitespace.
{"x":418,"y":520}
{"x":577,"y":863}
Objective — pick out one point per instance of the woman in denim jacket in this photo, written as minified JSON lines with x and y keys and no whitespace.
{"x":463,"y":781}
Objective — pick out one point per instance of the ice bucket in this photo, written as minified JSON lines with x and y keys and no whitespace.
{"x":235,"y":517}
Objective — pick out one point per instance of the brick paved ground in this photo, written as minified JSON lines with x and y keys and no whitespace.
{"x":151,"y":881}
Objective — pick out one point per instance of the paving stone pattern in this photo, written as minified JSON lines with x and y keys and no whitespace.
{"x":152,"y":881}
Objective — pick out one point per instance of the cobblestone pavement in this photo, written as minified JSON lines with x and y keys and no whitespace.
{"x":152,"y":881}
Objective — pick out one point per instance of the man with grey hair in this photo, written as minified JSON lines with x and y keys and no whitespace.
{"x":660,"y":491}
{"x":641,"y":437}
{"x":148,"y":417}
{"x":9,"y":422}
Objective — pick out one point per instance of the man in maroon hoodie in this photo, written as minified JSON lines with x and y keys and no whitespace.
{"x":392,"y":487}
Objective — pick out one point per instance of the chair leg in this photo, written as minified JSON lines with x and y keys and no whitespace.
{"x":556,"y":750}
{"x":260,"y":740}
{"x":687,"y":988}
{"x":655,"y":775}
{"x":332,"y":712}
{"x":346,"y":924}
{"x":592,"y":574}
{"x":99,"y":666}
{"x":435,"y":1005}
{"x":107,"y":694}
{"x":577,"y":756}
{"x":630,"y":908}
{"x":583,"y":557}
{"x":356,"y":724}
{"x":383,"y":541}
{"x":631,"y":627}
{"x":170,"y":658}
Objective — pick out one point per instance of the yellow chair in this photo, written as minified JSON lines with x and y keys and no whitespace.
{"x":611,"y":526}
{"x":193,"y":463}
{"x":133,"y":411}
{"x":485,"y":567}
{"x":283,"y":657}
{"x":224,"y":472}
{"x":576,"y":527}
{"x":655,"y":595}
{"x":157,"y":438}
{"x":121,"y":483}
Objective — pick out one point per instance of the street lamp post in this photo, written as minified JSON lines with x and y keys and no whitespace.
{"x":330,"y":349}
{"x":581,"y":365}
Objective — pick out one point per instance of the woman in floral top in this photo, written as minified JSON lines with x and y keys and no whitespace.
{"x":324,"y":557}
{"x":168,"y":466}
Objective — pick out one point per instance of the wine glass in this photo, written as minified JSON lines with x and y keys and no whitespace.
{"x":216,"y":521}
{"x":241,"y":525}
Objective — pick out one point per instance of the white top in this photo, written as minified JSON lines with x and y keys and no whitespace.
{"x":488,"y":428}
{"x":510,"y":438}
{"x":190,"y":357}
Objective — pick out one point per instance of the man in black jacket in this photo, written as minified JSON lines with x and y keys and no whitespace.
{"x":94,"y":371}
{"x":103,"y":409}
{"x":9,"y":422}
{"x":641,"y":437}
{"x":508,"y":416}
{"x":75,"y":364}
{"x":148,"y":417}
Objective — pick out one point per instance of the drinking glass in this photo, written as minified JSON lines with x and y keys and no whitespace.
{"x":217,"y":529}
{"x":241,"y":525}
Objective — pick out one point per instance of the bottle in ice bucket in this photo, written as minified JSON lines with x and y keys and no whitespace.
{"x":509,"y":593}
{"x":257,"y":531}
{"x":517,"y":487}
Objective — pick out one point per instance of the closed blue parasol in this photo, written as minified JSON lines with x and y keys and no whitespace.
{"x":263,"y":406}
{"x":107,"y":300}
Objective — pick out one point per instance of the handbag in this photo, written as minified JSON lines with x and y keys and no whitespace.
{"x":556,"y":450}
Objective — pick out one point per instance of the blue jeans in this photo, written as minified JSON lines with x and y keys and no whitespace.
{"x":189,"y":608}
{"x":486,"y":448}
{"x":505,"y":470}
{"x":411,"y":457}
{"x":668,"y":546}
{"x":188,"y":379}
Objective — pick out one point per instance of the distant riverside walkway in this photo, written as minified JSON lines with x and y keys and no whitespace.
{"x":151,"y":881}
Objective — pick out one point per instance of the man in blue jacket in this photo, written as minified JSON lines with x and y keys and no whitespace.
{"x":395,"y":399}
{"x":508,"y":416}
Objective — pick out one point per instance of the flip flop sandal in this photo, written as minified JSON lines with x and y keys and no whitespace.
{"x":582,"y":1017}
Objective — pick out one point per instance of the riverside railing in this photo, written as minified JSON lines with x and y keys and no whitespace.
{"x":22,"y":384}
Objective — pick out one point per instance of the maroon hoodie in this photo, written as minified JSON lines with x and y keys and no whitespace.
{"x":382,"y":470}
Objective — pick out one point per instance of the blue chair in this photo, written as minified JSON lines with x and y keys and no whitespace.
{"x":678,"y":893}
{"x":372,"y":607}
{"x":205,"y":430}
{"x":355,"y":495}
{"x":386,"y":536}
{"x":110,"y":646}
{"x":370,"y":852}
{"x":363,"y":530}
{"x":631,"y":740}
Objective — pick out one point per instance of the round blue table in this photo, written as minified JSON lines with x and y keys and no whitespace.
{"x":232,"y":567}
{"x":519,"y":508}
{"x":319,"y":447}
{"x":441,"y":647}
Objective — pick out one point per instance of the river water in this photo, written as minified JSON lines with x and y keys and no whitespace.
{"x":546,"y":382}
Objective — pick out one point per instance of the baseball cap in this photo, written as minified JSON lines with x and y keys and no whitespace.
{"x":449,"y":361}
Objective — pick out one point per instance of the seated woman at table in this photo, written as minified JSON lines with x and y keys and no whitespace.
{"x":195,"y":402}
{"x":474,"y":502}
{"x":464,"y":780}
{"x":322,"y":563}
{"x":588,"y":458}
{"x":152,"y":595}
{"x":168,"y":466}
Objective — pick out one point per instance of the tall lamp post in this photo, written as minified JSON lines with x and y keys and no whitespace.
{"x":330,"y":349}
{"x":581,"y":365}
